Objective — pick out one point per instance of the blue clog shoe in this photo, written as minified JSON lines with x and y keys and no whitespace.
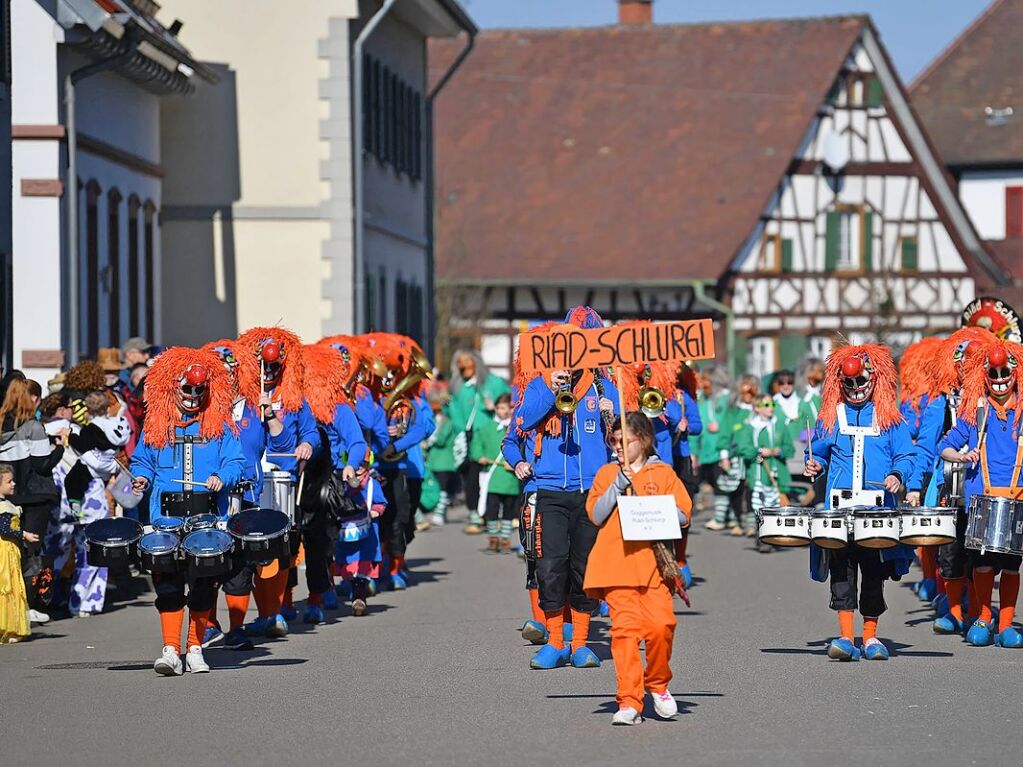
{"x":604,"y":610}
{"x":584,"y":657}
{"x":940,"y":604}
{"x":399,"y":582}
{"x":874,"y":649}
{"x":313,"y":615}
{"x":843,"y":649}
{"x":687,"y":577}
{"x":344,"y":589}
{"x":329,"y":600}
{"x":947,"y":624}
{"x":535,"y":632}
{"x":277,"y":626}
{"x":980,"y":634}
{"x":549,"y":656}
{"x":289,"y":613}
{"x":928,"y":589}
{"x":1009,"y":638}
{"x":567,"y":632}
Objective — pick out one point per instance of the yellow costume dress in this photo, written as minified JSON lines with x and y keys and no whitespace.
{"x":13,"y":605}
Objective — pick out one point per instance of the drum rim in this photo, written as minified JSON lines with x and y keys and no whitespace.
{"x":258,"y":536}
{"x":928,"y":511}
{"x":828,"y":513}
{"x":786,"y":511}
{"x":207,"y":553}
{"x":867,"y":513}
{"x":175,"y":523}
{"x":151,"y":552}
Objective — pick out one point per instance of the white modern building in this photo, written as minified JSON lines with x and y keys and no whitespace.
{"x":301,"y":191}
{"x":72,"y":297}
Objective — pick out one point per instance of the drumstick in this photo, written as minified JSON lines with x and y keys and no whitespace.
{"x":282,"y":455}
{"x":301,"y":483}
{"x":189,"y":482}
{"x":809,"y":439}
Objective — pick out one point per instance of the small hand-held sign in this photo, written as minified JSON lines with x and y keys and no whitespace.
{"x":649,"y":517}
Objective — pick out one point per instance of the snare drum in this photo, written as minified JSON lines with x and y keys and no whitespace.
{"x":200,"y":522}
{"x":279,"y":493}
{"x":876,"y":528}
{"x":928,"y":525}
{"x":261,"y":535}
{"x":112,"y":542}
{"x":208,"y":553}
{"x":169,"y":525}
{"x":158,"y":552}
{"x":829,"y":528}
{"x":784,"y":525}
{"x":995,"y":524}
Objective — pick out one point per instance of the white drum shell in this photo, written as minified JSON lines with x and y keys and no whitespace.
{"x":279,"y":493}
{"x":784,"y":527}
{"x":923,"y":526}
{"x":877,"y":530}
{"x":830,"y":530}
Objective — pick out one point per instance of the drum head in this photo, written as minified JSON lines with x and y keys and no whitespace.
{"x":201,"y":522}
{"x":168,"y":524}
{"x":158,"y":543}
{"x":787,"y":511}
{"x":258,"y":523}
{"x":114,"y":530}
{"x":875,"y":513}
{"x":207,"y":542}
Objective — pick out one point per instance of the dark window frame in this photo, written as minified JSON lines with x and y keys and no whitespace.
{"x":113,"y":281}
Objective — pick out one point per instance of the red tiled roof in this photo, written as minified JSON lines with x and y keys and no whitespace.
{"x":621,"y":153}
{"x":982,"y":68}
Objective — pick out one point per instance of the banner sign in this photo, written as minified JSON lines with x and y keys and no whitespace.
{"x":568,"y":347}
{"x":995,"y":315}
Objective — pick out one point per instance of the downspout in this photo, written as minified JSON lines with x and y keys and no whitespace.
{"x":357,"y":144}
{"x":700,"y":291}
{"x":132,"y":38}
{"x":431,"y":312}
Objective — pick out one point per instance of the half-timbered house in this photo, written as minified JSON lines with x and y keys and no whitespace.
{"x":770,"y":174}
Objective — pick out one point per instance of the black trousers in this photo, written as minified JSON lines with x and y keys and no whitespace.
{"x":170,"y":592}
{"x":319,"y":535}
{"x":846,"y":566}
{"x":690,"y":478}
{"x":501,"y":506}
{"x":36,"y":564}
{"x":239,"y":584}
{"x":564,"y":538}
{"x":997,"y":562}
{"x":415,"y":494}
{"x":953,"y":558}
{"x":470,"y":472}
{"x":398,"y":515}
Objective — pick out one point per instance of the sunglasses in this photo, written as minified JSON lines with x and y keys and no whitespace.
{"x":786,"y":382}
{"x":766,"y":403}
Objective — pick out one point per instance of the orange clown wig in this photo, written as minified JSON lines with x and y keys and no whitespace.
{"x":173,"y":369}
{"x":875,"y":359}
{"x":242,"y":366}
{"x":975,"y":383}
{"x":326,"y":371}
{"x":954,"y":357}
{"x":287,"y":351}
{"x":916,"y":370}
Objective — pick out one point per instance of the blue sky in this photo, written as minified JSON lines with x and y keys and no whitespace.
{"x":914,"y":31}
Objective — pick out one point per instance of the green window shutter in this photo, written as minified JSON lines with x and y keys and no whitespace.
{"x":791,"y":350}
{"x":909,"y":259}
{"x":834,"y":92}
{"x":786,"y":255}
{"x":831,"y":234}
{"x":741,"y":352}
{"x":868,"y":241}
{"x":875,"y":93}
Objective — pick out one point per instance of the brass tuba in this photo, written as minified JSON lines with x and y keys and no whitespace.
{"x":398,"y":404}
{"x":651,"y":401}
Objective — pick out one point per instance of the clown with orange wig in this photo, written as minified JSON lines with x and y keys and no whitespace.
{"x":188,"y":454}
{"x":863,"y":442}
{"x":990,"y":433}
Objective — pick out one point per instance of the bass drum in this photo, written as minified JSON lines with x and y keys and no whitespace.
{"x":112,"y":542}
{"x":261,"y":535}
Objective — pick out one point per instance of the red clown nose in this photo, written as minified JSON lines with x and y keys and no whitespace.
{"x":852,"y":367}
{"x":271,"y":352}
{"x":998,"y":358}
{"x":195,"y":375}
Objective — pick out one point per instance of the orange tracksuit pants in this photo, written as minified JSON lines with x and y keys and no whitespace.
{"x":641,"y":615}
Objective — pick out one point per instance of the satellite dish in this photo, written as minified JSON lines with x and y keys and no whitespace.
{"x":835,"y":151}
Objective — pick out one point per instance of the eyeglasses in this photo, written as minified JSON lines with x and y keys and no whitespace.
{"x":766,"y":403}
{"x":786,"y":382}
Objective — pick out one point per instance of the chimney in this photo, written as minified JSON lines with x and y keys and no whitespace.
{"x":635,"y":12}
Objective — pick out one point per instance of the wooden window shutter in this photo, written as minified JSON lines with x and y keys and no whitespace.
{"x":1014,"y":211}
{"x":868,"y":241}
{"x":791,"y":349}
{"x":875,"y":93}
{"x":832,"y":232}
{"x":834,"y":92}
{"x":786,"y":255}
{"x":908,"y":251}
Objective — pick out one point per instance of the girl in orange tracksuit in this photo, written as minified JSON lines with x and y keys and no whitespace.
{"x":625,"y":573}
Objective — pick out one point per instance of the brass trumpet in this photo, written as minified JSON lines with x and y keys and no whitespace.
{"x":651,"y":401}
{"x":565,"y":401}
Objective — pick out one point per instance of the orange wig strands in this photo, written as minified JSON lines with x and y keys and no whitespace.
{"x":662,"y":376}
{"x":685,"y":380}
{"x":975,"y":380}
{"x":395,"y":351}
{"x":886,"y":407}
{"x":950,"y":365}
{"x":161,"y":396}
{"x":246,"y":371}
{"x":325,"y":373}
{"x":289,"y":390}
{"x":916,"y":370}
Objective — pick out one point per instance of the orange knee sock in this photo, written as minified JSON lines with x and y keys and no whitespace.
{"x":170,"y":626}
{"x":954,"y":588}
{"x":236,"y":609}
{"x":534,"y":606}
{"x":869,"y":628}
{"x":1008,"y":590}
{"x":940,"y":583}
{"x":288,"y":597}
{"x":555,"y":621}
{"x":928,"y":560}
{"x":845,"y":623}
{"x":315,"y":600}
{"x":984,"y":583}
{"x":580,"y":629}
{"x":197,"y":620}
{"x":971,"y":594}
{"x":680,"y":550}
{"x":260,"y":590}
{"x":397,"y":563}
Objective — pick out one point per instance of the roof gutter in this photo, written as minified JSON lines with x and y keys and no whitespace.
{"x":359,"y":195}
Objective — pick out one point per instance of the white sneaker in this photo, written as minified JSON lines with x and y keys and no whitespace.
{"x":664,"y":704}
{"x":194,"y":662}
{"x":168,"y":664}
{"x":437,"y":520}
{"x":37,"y":617}
{"x":626,"y":716}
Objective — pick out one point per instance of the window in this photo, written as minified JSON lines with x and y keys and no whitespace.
{"x":382,"y":301}
{"x":149,"y":246}
{"x":133,"y":265}
{"x":762,"y":358}
{"x":835,"y":92}
{"x":819,"y":347}
{"x":392,"y":119}
{"x":400,"y":307}
{"x":775,"y":254}
{"x":113,"y":267}
{"x":90,"y":306}
{"x":367,"y":104}
{"x":415,"y":313}
{"x":1014,"y":211}
{"x":377,"y":107}
{"x":875,"y":93}
{"x":848,"y":239}
{"x":907,"y":251}
{"x":370,"y":307}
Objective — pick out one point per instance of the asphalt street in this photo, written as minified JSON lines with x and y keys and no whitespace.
{"x":438,"y":674}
